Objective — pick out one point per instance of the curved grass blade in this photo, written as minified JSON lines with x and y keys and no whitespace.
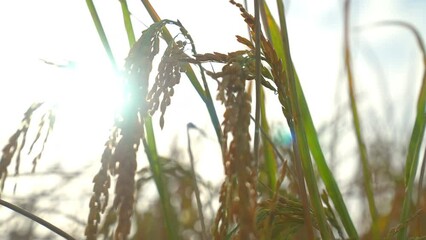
{"x":357,"y":125}
{"x":127,"y":22}
{"x":37,"y":219}
{"x":194,"y":181}
{"x":268,"y":151}
{"x":291,"y":116}
{"x":101,"y":33}
{"x":417,"y":134}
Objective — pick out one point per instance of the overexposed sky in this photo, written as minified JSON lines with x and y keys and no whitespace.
{"x":62,"y":31}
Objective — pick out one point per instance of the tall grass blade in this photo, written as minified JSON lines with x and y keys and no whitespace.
{"x":258,"y":67}
{"x":323,"y":169}
{"x":101,"y":33}
{"x":417,"y":134}
{"x":127,"y":22}
{"x":312,"y":137}
{"x":303,"y":193}
{"x":37,"y":219}
{"x":357,"y":125}
{"x":300,"y":142}
{"x":194,"y":182}
{"x":268,"y":150}
{"x":154,"y":161}
{"x":420,"y":197}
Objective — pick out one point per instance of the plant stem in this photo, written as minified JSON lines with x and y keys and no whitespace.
{"x":194,"y":180}
{"x":257,"y":73}
{"x":300,"y":145}
{"x":101,"y":33}
{"x":357,"y":125}
{"x":127,"y":22}
{"x":39,"y":220}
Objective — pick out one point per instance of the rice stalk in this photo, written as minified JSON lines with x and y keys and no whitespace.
{"x":48,"y":122}
{"x":169,"y":74}
{"x":17,"y":142}
{"x":283,"y":216}
{"x":238,"y":193}
{"x":102,"y":182}
{"x":125,"y":156}
{"x":158,"y":95}
{"x":122,"y":152}
{"x":268,"y":223}
{"x":138,"y":66}
{"x":300,"y":144}
{"x":284,"y":97}
{"x":140,"y":104}
{"x":203,"y":93}
{"x":127,"y":22}
{"x":258,"y":67}
{"x":274,"y":36}
{"x":149,"y":141}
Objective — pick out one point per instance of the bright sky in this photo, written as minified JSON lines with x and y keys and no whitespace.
{"x":386,"y":61}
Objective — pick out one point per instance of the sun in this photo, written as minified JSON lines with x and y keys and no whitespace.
{"x":85,"y":99}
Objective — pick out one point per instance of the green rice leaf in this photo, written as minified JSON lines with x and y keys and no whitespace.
{"x":417,"y":134}
{"x":312,"y":137}
{"x":101,"y":33}
{"x":368,"y":185}
{"x":127,"y":22}
{"x":301,"y":147}
{"x":268,"y":150}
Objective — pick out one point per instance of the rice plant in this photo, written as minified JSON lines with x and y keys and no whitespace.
{"x":270,"y":190}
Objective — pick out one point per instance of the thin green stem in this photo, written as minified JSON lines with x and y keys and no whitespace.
{"x":101,"y":33}
{"x":151,"y":148}
{"x":156,"y":168}
{"x":323,"y":169}
{"x":194,"y":182}
{"x":257,"y":73}
{"x":37,"y":219}
{"x":268,"y":153}
{"x":420,"y":189}
{"x":127,"y":22}
{"x":357,"y":125}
